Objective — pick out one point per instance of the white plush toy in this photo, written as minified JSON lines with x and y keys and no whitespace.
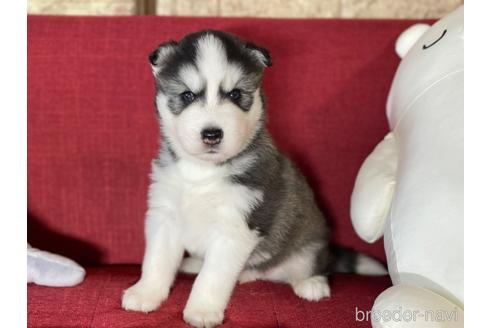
{"x":48,"y":269}
{"x":410,"y":188}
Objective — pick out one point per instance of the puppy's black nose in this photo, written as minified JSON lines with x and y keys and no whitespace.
{"x":212,"y":136}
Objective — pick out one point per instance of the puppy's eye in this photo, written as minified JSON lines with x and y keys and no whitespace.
{"x":187,"y":97}
{"x":234,"y":95}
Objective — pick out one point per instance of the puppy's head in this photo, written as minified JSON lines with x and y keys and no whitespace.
{"x":208,"y":94}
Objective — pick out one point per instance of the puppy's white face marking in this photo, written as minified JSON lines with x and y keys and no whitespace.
{"x":191,"y":78}
{"x":212,"y":64}
{"x":210,"y":78}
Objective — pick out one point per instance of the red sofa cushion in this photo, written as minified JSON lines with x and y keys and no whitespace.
{"x":92,"y":129}
{"x":96,"y":303}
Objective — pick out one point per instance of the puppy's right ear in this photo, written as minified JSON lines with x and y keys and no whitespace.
{"x":260,"y":53}
{"x":159,"y":57}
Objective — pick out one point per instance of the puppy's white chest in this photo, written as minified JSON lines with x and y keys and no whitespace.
{"x":203,"y":206}
{"x":210,"y":207}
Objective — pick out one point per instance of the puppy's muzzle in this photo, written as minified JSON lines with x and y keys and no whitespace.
{"x":212,"y":136}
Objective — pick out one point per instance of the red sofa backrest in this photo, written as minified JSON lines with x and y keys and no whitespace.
{"x":92,"y":128}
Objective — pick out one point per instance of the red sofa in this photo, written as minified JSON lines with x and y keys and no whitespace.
{"x":92,"y":133}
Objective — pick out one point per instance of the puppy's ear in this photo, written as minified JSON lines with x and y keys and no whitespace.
{"x":260,"y":54}
{"x":158,"y":58}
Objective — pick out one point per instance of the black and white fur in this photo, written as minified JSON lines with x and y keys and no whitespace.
{"x":233,"y":201}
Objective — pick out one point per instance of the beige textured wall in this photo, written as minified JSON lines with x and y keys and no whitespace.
{"x":81,"y":7}
{"x":310,"y":8}
{"x":256,"y":8}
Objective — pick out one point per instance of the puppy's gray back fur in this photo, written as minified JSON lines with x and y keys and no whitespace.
{"x":287,"y":218}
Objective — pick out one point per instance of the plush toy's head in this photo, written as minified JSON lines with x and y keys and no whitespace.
{"x":429,"y":55}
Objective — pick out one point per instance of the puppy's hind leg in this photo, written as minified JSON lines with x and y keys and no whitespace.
{"x":299,"y":270}
{"x":249,"y":275}
{"x":312,"y":289}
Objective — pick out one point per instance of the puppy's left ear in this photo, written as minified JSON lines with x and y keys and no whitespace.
{"x":159,"y":57}
{"x":260,"y":53}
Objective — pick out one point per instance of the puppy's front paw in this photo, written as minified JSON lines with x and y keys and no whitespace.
{"x":203,"y":317}
{"x":140,"y":298}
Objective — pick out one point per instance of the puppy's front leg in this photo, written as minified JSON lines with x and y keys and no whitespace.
{"x":212,"y":289}
{"x":163,"y":253}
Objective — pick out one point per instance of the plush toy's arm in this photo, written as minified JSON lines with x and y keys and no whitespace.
{"x":373,"y":190}
{"x":48,"y":269}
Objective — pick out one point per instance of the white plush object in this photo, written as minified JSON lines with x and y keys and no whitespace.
{"x":377,"y":173}
{"x":47,"y":269}
{"x":412,"y":306}
{"x":411,"y":187}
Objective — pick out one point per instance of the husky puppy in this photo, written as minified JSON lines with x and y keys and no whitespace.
{"x":222,"y":191}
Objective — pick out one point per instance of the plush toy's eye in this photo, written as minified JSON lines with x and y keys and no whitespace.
{"x":187,"y":97}
{"x":433,"y":43}
{"x":234,"y":95}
